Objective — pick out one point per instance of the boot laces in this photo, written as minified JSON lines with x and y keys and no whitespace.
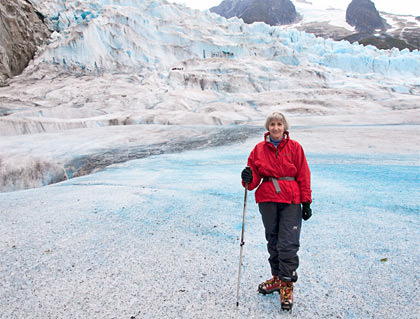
{"x":286,"y":292}
{"x":271,"y":282}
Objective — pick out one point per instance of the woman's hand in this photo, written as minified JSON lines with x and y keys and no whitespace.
{"x":247,"y":175}
{"x":306,"y":211}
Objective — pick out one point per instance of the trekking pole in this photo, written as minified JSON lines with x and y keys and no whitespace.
{"x":242,"y":245}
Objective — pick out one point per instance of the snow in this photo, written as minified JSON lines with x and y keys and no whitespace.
{"x":120,"y":168}
{"x":314,"y":13}
{"x":398,"y":22}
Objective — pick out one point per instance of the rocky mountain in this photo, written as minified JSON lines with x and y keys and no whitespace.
{"x":272,"y":12}
{"x":362,"y":15}
{"x":371,"y":28}
{"x":22,"y":32}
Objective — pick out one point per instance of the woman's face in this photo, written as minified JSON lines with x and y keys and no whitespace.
{"x":276,"y":129}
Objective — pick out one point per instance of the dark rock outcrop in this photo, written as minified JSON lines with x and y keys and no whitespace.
{"x":272,"y":12}
{"x":362,"y":15}
{"x":382,"y":41}
{"x":22,"y":32}
{"x":230,"y":8}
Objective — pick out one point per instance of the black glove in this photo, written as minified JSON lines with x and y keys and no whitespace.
{"x":306,"y":211}
{"x":247,"y":175}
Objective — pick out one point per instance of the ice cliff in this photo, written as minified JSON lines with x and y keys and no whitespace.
{"x":124,"y":35}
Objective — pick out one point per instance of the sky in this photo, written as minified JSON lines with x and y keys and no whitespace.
{"x":411,"y":7}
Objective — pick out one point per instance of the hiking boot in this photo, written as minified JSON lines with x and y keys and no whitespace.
{"x":269,"y":286}
{"x":286,"y":295}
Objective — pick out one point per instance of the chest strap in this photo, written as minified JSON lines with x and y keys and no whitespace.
{"x":275,"y":181}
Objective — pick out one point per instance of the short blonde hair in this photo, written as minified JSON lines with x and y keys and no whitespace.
{"x":277,"y":116}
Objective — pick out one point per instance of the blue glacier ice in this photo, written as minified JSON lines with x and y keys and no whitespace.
{"x":97,"y":35}
{"x":159,"y":237}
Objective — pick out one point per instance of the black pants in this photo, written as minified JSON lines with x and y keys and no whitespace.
{"x":282,"y":223}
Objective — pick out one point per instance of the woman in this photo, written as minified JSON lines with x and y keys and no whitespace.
{"x":278,"y":167}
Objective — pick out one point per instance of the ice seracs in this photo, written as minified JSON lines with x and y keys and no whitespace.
{"x":131,"y":64}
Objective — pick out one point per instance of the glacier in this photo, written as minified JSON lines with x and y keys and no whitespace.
{"x":142,"y":64}
{"x":159,"y":237}
{"x":133,"y":35}
{"x":121,"y":149}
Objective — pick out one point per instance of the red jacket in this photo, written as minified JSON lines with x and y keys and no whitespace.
{"x":288,"y":160}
